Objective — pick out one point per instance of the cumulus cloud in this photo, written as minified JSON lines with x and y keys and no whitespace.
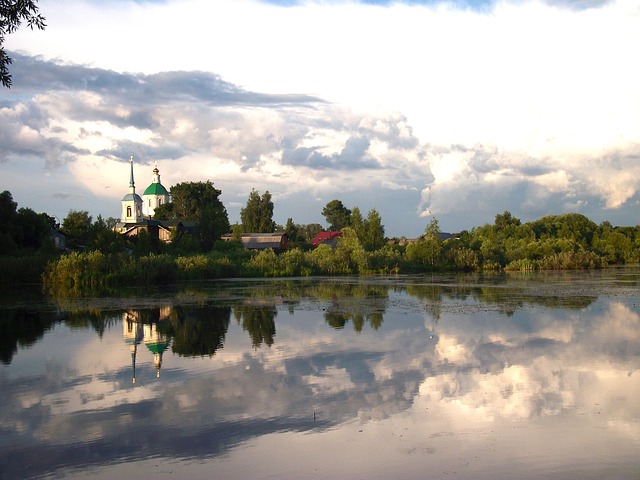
{"x":495,"y":180}
{"x":461,"y":109}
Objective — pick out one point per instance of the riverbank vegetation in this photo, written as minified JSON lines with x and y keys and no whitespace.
{"x":98,"y":258}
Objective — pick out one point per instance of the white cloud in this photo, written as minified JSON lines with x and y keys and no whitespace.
{"x":529,"y":107}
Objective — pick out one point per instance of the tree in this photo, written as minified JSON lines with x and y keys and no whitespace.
{"x":199,"y":202}
{"x":31,"y":229}
{"x":374,"y":231}
{"x":12,"y":14}
{"x":8,"y":214}
{"x":257,"y":216}
{"x":506,"y":219}
{"x":338,"y":216}
{"x":291,"y":229}
{"x":309,"y":231}
{"x":104,"y":238}
{"x":77,"y":227}
{"x":427,"y":250}
{"x":357,"y":223}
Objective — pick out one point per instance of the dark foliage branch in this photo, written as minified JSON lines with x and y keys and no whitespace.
{"x":13,"y":13}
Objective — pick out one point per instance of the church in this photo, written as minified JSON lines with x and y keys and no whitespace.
{"x":137,"y":211}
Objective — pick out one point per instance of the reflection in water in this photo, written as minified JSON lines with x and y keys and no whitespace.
{"x":137,"y":331}
{"x":466,"y":378}
{"x":197,"y":331}
{"x":258,"y":320}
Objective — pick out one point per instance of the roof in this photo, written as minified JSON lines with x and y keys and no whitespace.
{"x":132,"y":196}
{"x":325,"y":237}
{"x":259,"y":241}
{"x":156,"y":189}
{"x":157,"y":347}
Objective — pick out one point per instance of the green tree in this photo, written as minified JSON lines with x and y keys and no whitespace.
{"x":31,"y":229}
{"x":505,"y":220}
{"x":12,"y":15}
{"x":349,"y":254}
{"x":291,"y":229}
{"x":357,"y":223}
{"x":77,"y":227}
{"x":426,"y":251}
{"x":104,"y":238}
{"x":257,"y":216}
{"x":309,"y":231}
{"x":337,"y":215}
{"x":198,"y":202}
{"x":8,"y":213}
{"x":374,"y":231}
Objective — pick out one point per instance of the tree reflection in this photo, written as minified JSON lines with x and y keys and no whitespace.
{"x":22,"y":328}
{"x":357,"y":303}
{"x":197,"y":331}
{"x":258,"y":321}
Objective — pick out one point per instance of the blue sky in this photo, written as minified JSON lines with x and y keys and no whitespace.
{"x":458,"y":110}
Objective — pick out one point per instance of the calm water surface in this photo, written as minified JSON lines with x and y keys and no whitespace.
{"x":517,"y":376}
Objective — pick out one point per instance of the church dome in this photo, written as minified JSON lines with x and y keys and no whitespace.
{"x":132,"y":197}
{"x":156,"y":189}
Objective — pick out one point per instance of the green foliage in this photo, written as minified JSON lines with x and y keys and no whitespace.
{"x":264,"y":263}
{"x":12,"y":15}
{"x":80,"y":270}
{"x":294,"y":263}
{"x":22,"y":230}
{"x":324,"y":261}
{"x":357,"y":224}
{"x":426,"y":252}
{"x":337,"y":215}
{"x":309,"y":231}
{"x":23,"y":269}
{"x":257,"y":216}
{"x":349,"y":254}
{"x":197,"y":202}
{"x":374,"y":232}
{"x":292,"y":231}
{"x":77,"y":227}
{"x":569,"y":241}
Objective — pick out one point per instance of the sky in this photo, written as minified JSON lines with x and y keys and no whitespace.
{"x":454,"y":110}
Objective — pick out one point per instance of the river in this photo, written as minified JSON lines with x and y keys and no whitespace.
{"x":447,"y":376}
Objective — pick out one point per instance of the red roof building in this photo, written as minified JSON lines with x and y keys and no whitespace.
{"x":329,"y":238}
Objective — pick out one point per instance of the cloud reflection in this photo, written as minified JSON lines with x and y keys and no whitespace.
{"x":473,"y":364}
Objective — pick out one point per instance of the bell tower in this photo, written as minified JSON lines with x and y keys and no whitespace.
{"x":131,"y":202}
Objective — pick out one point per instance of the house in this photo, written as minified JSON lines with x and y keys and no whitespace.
{"x":327,"y":238}
{"x":277,"y":241}
{"x":154,"y":228}
{"x":58,"y":238}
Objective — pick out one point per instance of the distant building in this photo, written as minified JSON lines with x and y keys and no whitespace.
{"x":155,"y":195}
{"x":59,"y":239}
{"x":326,"y":238}
{"x":137,"y":212}
{"x":277,"y":241}
{"x":131,"y":202}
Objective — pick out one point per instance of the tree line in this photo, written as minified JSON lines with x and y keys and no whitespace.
{"x":96,"y":255}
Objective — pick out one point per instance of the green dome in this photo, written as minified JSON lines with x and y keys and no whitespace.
{"x":157,"y":347}
{"x":156,"y":189}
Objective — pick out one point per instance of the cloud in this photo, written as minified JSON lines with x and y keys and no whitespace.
{"x":460,"y":108}
{"x":495,"y":180}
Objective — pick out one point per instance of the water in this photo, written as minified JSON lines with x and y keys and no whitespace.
{"x":517,"y":376}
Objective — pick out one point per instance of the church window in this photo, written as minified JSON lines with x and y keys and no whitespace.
{"x":128,"y":211}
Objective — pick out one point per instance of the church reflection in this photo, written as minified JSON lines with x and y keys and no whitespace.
{"x":137,"y":331}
